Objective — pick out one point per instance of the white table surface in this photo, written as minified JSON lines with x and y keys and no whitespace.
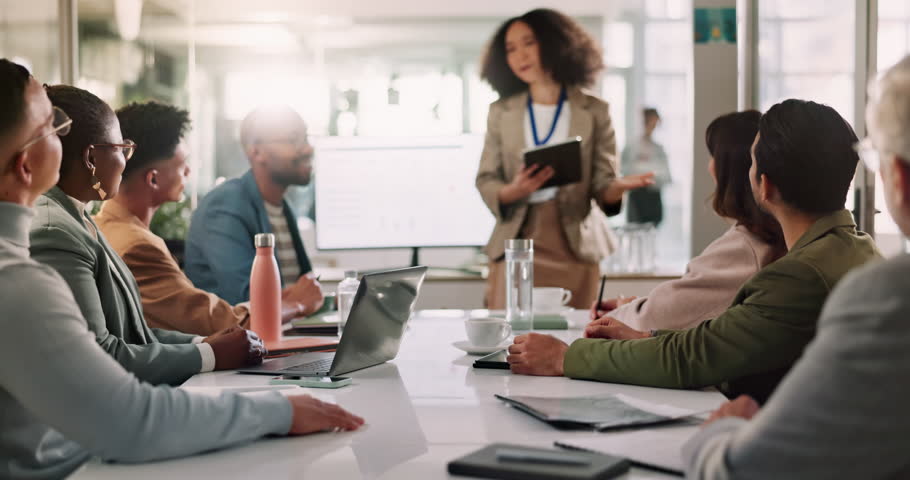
{"x":424,"y":409}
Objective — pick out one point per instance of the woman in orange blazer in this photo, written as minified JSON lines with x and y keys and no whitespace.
{"x":539,"y":63}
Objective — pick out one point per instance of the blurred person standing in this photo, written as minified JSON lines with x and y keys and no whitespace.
{"x":538,"y":63}
{"x":645,"y":205}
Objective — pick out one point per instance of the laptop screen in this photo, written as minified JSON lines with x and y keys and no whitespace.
{"x":378,"y":318}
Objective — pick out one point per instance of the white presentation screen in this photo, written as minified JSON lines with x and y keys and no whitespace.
{"x":399,"y":192}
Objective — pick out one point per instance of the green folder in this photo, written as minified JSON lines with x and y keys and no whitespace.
{"x":544,"y":321}
{"x":319,"y":318}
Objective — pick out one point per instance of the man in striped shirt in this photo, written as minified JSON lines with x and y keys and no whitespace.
{"x":219,"y":246}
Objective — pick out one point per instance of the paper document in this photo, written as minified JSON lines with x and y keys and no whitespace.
{"x":659,"y":448}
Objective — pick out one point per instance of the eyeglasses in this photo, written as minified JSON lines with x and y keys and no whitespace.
{"x":869,"y":154}
{"x":60,"y":125}
{"x":292,"y":141}
{"x":128,"y":147}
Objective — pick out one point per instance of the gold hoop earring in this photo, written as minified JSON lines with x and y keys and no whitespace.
{"x":96,"y":185}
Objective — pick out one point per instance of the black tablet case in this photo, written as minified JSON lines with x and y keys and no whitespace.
{"x":484,"y":464}
{"x":564,"y":157}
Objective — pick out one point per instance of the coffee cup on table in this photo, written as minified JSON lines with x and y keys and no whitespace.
{"x":550,"y":299}
{"x":487,"y":331}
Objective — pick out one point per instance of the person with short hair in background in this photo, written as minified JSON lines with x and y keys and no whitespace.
{"x":65,"y":237}
{"x":539,"y":63}
{"x":803,"y":162}
{"x":840,"y":413}
{"x":63,"y":399}
{"x":645,"y":205}
{"x":155,"y":175}
{"x":219,"y":245}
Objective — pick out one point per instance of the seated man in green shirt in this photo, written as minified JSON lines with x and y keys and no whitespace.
{"x":802,"y":164}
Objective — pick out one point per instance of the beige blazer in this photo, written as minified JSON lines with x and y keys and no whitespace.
{"x":581,"y":211}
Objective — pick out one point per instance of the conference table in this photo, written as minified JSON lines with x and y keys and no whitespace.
{"x":424,"y":409}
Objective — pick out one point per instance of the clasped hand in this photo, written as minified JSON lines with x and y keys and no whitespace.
{"x":236,"y":347}
{"x":536,"y":354}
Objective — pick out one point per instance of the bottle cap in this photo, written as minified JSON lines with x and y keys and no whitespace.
{"x":350,"y":274}
{"x":520,"y":244}
{"x":264,"y":240}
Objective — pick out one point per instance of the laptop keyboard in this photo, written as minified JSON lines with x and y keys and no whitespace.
{"x":316,"y":366}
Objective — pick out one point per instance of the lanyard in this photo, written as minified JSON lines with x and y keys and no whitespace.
{"x":537,"y":142}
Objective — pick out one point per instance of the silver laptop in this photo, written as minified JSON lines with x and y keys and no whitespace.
{"x":372,"y":335}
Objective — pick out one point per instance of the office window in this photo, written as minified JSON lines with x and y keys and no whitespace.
{"x":134,"y":51}
{"x":647,"y":51}
{"x":667,"y":58}
{"x":893,"y":45}
{"x":28,"y":36}
{"x":371,"y":79}
{"x":666,"y":50}
{"x":806,"y":50}
{"x":614,"y":92}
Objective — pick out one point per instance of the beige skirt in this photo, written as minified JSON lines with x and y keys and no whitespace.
{"x":554,"y":263}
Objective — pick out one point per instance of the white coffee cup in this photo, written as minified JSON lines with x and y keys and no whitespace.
{"x":487,"y":331}
{"x":550,"y":299}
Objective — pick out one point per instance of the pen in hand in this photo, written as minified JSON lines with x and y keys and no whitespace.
{"x":600,"y":296}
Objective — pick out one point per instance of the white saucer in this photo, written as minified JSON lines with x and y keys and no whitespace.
{"x":563,"y":311}
{"x":470,"y":349}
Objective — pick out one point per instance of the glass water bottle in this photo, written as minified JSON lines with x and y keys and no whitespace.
{"x":519,"y":283}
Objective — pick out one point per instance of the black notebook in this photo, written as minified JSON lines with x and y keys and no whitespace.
{"x":516,"y":462}
{"x":564,"y":157}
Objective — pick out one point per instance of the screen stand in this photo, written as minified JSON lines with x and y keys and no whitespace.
{"x":415,"y":262}
{"x":415,"y":256}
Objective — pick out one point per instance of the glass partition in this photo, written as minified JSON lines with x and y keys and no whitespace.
{"x":28,"y":36}
{"x":893,"y":44}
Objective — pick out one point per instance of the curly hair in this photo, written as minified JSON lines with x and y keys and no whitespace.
{"x":729,"y":140}
{"x":90,"y":115}
{"x":157,"y":129}
{"x":567,"y":52}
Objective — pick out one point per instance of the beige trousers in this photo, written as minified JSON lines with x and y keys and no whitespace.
{"x":554,"y":263}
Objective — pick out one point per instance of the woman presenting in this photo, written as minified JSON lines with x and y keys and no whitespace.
{"x":538,"y":63}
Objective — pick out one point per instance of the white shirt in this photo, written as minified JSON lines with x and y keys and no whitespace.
{"x":284,"y":245}
{"x":543,"y":116}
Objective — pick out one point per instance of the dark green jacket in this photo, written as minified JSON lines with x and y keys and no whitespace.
{"x":751,"y":346}
{"x":107,"y":294}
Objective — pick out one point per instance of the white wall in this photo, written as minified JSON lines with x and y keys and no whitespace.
{"x":713,"y":93}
